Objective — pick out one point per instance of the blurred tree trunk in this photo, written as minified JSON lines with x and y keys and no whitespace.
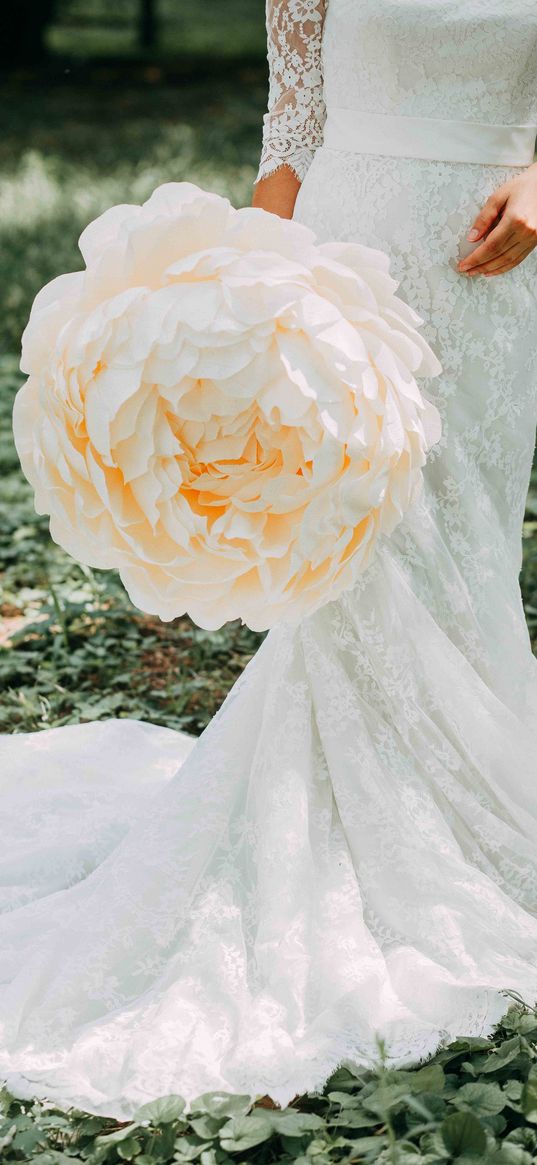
{"x":22,"y":30}
{"x":148,"y":24}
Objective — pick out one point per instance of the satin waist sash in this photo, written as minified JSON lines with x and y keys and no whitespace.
{"x":430,"y":138}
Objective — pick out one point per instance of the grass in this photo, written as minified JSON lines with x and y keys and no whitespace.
{"x":199,"y":29}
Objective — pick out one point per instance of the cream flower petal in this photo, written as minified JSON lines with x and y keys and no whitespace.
{"x":222,"y":409}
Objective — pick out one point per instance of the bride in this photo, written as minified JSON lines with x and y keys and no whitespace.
{"x":350,"y":848}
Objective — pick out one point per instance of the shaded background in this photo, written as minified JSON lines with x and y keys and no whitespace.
{"x":101,"y":101}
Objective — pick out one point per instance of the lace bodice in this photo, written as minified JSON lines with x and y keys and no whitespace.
{"x":421,"y":58}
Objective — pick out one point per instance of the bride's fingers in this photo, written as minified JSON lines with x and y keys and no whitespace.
{"x":494,"y":245}
{"x":510,"y":259}
{"x":513,"y":254}
{"x":502,"y":270}
{"x":488,"y":214}
{"x":509,"y":266}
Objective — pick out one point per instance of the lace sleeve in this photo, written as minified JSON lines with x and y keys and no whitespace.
{"x":293,"y":125}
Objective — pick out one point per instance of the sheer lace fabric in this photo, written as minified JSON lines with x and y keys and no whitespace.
{"x":420,"y":58}
{"x":350,"y":848}
{"x":292,"y":127}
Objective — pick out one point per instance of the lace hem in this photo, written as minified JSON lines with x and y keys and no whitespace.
{"x":273,"y":158}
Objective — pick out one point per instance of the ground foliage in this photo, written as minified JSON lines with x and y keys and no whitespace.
{"x":474,"y":1101}
{"x":199,"y":29}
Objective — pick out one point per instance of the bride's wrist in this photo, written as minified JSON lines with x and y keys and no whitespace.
{"x":277,"y":192}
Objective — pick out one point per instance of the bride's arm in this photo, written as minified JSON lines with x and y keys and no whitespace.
{"x":293,"y":125}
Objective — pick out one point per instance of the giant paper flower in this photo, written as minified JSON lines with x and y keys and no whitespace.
{"x":222,"y":409}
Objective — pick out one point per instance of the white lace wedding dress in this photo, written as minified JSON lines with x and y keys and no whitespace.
{"x":350,"y":848}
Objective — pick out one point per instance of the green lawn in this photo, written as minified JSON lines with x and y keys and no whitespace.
{"x":187,"y":28}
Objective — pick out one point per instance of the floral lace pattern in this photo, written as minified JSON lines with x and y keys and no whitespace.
{"x":467,"y":59}
{"x":469,"y":521}
{"x":292,"y":127}
{"x":422,"y":58}
{"x":350,"y":848}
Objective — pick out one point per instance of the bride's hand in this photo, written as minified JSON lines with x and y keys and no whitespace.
{"x":511,"y":212}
